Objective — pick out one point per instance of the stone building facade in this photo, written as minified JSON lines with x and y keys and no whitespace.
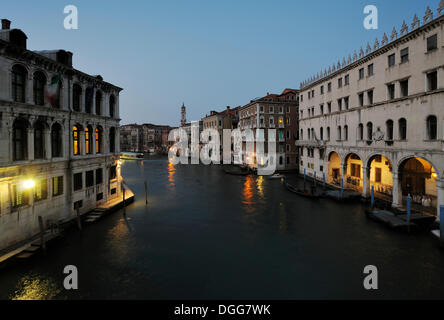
{"x":146,"y":138}
{"x":279,"y":112}
{"x":377,"y":118}
{"x":59,"y":138}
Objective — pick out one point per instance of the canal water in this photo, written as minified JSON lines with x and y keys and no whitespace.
{"x":209,"y":235}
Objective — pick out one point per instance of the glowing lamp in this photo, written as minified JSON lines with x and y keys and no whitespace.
{"x":28,"y":184}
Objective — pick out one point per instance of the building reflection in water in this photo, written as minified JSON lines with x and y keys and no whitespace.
{"x":36,"y":288}
{"x":260,"y":186}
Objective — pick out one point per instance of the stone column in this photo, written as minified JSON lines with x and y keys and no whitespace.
{"x":440,"y":193}
{"x":47,"y":143}
{"x":30,"y":143}
{"x":82,"y":142}
{"x":92,"y":139}
{"x":397,"y":190}
{"x":117,"y":140}
{"x":366,"y":182}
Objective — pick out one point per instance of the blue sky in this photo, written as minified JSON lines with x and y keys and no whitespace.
{"x":208,"y":54}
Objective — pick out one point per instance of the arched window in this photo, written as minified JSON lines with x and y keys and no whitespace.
{"x":271,"y":120}
{"x":99,"y":102}
{"x":19,"y":140}
{"x":309,"y":134}
{"x":76,"y":140}
{"x":39,"y":144}
{"x":322,"y":133}
{"x":56,"y":140}
{"x":361,"y":131}
{"x":99,"y":138}
{"x":76,"y":97}
{"x":302,"y":134}
{"x":112,"y":139}
{"x":328,"y":133}
{"x":18,"y":83}
{"x":432,"y":128}
{"x":89,"y":95}
{"x":339,"y":133}
{"x":88,"y":139}
{"x":112,"y":106}
{"x":369,"y":131}
{"x":389,"y":129}
{"x":39,"y":88}
{"x":345,"y":132}
{"x":402,"y":129}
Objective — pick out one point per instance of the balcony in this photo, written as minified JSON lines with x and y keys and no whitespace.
{"x":272,"y":126}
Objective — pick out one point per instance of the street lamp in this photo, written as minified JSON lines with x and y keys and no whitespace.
{"x":28,"y":184}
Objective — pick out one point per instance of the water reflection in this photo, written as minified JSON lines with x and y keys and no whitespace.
{"x":247,"y":193}
{"x":260,"y":187}
{"x":171,"y":172}
{"x":34,"y":287}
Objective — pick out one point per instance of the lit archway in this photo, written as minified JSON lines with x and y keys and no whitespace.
{"x":380,"y":176}
{"x":334,"y":168}
{"x":353,"y":177}
{"x":417,"y":178}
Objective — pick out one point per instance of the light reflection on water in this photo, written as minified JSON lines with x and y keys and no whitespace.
{"x":34,"y":287}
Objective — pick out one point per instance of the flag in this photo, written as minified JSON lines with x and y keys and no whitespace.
{"x":52,"y":91}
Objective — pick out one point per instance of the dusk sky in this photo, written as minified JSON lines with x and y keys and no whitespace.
{"x":208,"y":54}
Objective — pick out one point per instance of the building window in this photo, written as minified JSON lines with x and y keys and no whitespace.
{"x":391,"y":91}
{"x":77,"y":180}
{"x":271,"y":109}
{"x":370,"y":97}
{"x":432,"y":128}
{"x":89,"y":178}
{"x":89,"y":96}
{"x":432,"y":42}
{"x":99,"y":176}
{"x":113,"y":173}
{"x":18,"y":83}
{"x":76,"y":140}
{"x":340,"y":104}
{"x":88,"y":139}
{"x":347,"y":80}
{"x":329,"y":107}
{"x":389,"y":125}
{"x":39,"y":139}
{"x":56,"y":140}
{"x":39,"y":88}
{"x":361,"y":99}
{"x":361,"y":73}
{"x":346,"y":103}
{"x":99,"y":138}
{"x":369,"y":131}
{"x":328,"y":133}
{"x":329,"y":87}
{"x":19,"y":140}
{"x":340,"y":83}
{"x":98,"y":102}
{"x":339,"y":133}
{"x":361,"y":131}
{"x":322,"y":89}
{"x":41,"y":190}
{"x":402,"y":129}
{"x":370,"y":70}
{"x":322,"y":133}
{"x":404,"y":55}
{"x":391,"y":60}
{"x":404,"y":88}
{"x":355,"y":170}
{"x":112,"y":139}
{"x":378,"y":175}
{"x":19,"y":196}
{"x":76,"y":96}
{"x":432,"y":81}
{"x":57,"y":186}
{"x":321,"y":107}
{"x":345,"y":132}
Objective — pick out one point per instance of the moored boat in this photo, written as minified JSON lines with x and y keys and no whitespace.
{"x":131,"y":156}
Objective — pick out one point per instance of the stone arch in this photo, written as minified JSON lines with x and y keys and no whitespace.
{"x":353,"y":171}
{"x":334,"y":167}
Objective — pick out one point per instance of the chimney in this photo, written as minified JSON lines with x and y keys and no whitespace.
{"x":6,"y":24}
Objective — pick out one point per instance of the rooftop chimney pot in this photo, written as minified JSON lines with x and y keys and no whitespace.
{"x":6,"y":24}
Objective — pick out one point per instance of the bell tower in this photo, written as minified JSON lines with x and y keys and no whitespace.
{"x":183,"y":113}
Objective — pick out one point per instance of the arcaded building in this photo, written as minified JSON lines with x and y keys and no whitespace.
{"x":377,"y":118}
{"x":59,"y":138}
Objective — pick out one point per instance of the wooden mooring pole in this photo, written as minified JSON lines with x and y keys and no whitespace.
{"x":79,"y":222}
{"x":42,"y":235}
{"x":441,"y":226}
{"x":146,"y":192}
{"x":124,"y":205}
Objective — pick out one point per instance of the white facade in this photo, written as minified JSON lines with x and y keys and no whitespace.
{"x":387,"y":104}
{"x":39,"y":159}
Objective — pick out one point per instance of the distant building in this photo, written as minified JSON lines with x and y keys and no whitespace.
{"x":279,"y":112}
{"x":146,"y":138}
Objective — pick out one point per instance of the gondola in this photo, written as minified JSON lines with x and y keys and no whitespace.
{"x":301,"y":192}
{"x":237,"y":173}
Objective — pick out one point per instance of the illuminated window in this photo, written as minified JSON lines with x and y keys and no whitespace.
{"x":19,"y":197}
{"x":75,"y":140}
{"x":57,"y":186}
{"x":41,"y":190}
{"x":99,"y":137}
{"x":88,"y":142}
